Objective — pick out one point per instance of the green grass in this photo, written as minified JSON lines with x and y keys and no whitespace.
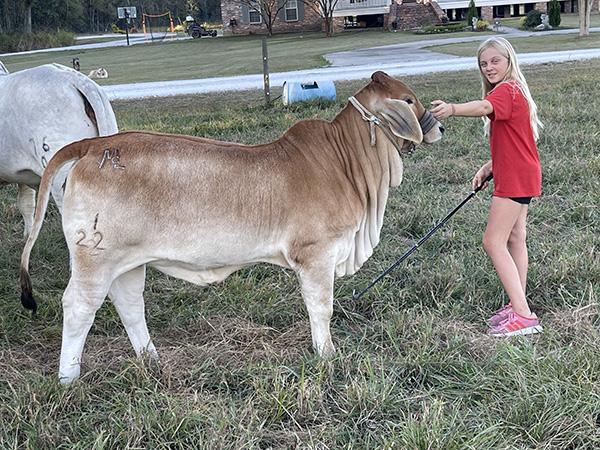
{"x":100,"y":39}
{"x":527,"y":44}
{"x":414,"y":368}
{"x":242,"y":54}
{"x":566,"y":21}
{"x":203,"y":58}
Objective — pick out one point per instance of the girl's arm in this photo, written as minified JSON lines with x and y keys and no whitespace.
{"x":476,"y":108}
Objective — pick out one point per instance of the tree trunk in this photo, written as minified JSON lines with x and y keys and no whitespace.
{"x":28,"y":19}
{"x":328,"y":25}
{"x":585,"y":9}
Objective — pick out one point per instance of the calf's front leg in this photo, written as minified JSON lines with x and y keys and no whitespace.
{"x":316,"y":283}
{"x":126,"y":294}
{"x":26,"y":206}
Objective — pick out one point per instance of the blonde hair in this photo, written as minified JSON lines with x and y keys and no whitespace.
{"x":513,"y":73}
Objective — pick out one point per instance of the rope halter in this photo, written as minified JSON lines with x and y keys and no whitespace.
{"x":367,"y":116}
{"x":426,"y":122}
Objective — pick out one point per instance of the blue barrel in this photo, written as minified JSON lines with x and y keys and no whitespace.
{"x":300,"y":91}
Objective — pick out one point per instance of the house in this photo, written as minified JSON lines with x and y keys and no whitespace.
{"x":239,"y":18}
{"x":493,"y":9}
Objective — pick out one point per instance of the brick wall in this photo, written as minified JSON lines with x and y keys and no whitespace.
{"x":542,"y":7}
{"x":487,"y":13}
{"x":410,"y":14}
{"x":233,"y":22}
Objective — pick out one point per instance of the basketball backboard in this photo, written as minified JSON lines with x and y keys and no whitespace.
{"x":129,"y":9}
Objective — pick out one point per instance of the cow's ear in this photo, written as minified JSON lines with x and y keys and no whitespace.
{"x":402,"y":120}
{"x":380,"y":77}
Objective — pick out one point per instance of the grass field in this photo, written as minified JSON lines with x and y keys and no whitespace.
{"x":566,"y":21}
{"x":201,"y":58}
{"x":242,"y":55}
{"x":527,"y":44}
{"x":414,"y":368}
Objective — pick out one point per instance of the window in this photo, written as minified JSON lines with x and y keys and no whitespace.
{"x":291,"y":11}
{"x":254,"y":13}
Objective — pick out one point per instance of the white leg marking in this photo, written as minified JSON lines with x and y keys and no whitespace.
{"x":80,"y":300}
{"x":317,"y":292}
{"x":126,"y":294}
{"x":26,"y":205}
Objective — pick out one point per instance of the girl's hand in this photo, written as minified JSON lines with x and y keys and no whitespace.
{"x":441,"y":109}
{"x":481,"y":175}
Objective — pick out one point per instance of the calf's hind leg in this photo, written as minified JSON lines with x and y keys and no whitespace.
{"x":80,"y":302}
{"x":126,"y":293}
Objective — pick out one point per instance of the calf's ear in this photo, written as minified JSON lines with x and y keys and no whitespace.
{"x":402,"y":120}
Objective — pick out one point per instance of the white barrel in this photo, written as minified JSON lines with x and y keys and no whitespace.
{"x":299,"y":91}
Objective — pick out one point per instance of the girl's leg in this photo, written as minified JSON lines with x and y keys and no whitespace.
{"x":504,"y":217}
{"x":517,"y":246}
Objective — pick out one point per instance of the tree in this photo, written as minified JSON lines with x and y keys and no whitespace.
{"x":472,"y":12}
{"x":192,"y":7}
{"x":585,"y":9}
{"x":267,"y":9}
{"x":28,"y":4}
{"x":554,"y":13}
{"x":324,"y":8}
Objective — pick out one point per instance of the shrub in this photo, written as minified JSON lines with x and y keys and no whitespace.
{"x":522,"y":22}
{"x":24,"y":42}
{"x":482,"y":25}
{"x":442,"y":28}
{"x":554,"y":13}
{"x":533,"y":18}
{"x":472,"y":12}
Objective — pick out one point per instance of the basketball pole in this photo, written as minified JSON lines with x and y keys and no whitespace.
{"x":127,"y":25}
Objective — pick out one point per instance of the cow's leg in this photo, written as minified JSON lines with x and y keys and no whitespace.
{"x":316,"y":283}
{"x":81,"y":300}
{"x":26,"y":205}
{"x":126,"y":293}
{"x":58,"y":184}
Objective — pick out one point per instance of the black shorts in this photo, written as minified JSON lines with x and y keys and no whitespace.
{"x":521,"y":200}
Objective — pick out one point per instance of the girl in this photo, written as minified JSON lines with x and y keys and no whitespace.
{"x":511,"y":122}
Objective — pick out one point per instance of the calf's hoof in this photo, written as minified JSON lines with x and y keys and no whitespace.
{"x":327,"y":350}
{"x":66,"y":377}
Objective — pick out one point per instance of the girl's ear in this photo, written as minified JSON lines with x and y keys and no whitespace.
{"x":402,"y":120}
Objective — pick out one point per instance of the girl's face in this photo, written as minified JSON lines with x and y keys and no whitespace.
{"x":493,"y":65}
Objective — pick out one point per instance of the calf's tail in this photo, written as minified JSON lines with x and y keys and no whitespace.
{"x":67,"y":154}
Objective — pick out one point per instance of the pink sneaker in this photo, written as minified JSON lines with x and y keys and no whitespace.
{"x":500,"y":316}
{"x":517,"y":325}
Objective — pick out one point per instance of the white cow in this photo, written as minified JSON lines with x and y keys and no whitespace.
{"x":199,"y":209}
{"x":42,"y":110}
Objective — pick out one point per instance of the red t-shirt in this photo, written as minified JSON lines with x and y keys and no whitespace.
{"x":515,"y":160}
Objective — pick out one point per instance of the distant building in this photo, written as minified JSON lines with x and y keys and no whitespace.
{"x":493,"y":9}
{"x":392,"y":14}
